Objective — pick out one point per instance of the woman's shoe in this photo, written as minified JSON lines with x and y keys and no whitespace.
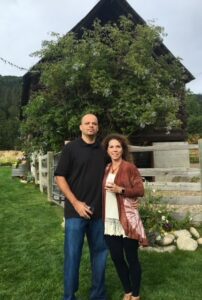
{"x":127,"y":296}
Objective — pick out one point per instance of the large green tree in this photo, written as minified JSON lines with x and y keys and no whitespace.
{"x":194,"y":113}
{"x":10,"y":95}
{"x":114,"y":71}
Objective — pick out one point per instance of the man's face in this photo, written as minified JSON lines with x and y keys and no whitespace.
{"x":89,"y":125}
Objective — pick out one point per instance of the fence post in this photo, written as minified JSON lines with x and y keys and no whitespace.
{"x":50,"y":158}
{"x":35,"y":167}
{"x":200,"y":161}
{"x":40,"y":173}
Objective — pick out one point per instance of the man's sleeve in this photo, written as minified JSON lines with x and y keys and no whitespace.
{"x":63,"y":166}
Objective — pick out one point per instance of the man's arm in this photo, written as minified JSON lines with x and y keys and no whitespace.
{"x":82,"y":209}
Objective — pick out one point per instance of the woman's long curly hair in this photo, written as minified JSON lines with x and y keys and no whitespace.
{"x":124,"y":144}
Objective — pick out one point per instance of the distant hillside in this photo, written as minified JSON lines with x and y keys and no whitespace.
{"x":10,"y":95}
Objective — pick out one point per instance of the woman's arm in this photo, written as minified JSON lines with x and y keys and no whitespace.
{"x":131,"y":182}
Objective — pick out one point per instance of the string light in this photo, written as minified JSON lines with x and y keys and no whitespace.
{"x":24,"y":69}
{"x":13,"y":65}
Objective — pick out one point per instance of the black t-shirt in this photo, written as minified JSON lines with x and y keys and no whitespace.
{"x":83,"y":166}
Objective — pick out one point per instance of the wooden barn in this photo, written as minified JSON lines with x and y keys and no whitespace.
{"x":111,"y":10}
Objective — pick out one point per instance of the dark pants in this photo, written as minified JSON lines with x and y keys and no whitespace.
{"x":124,"y":253}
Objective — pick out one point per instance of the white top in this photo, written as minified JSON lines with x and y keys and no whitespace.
{"x":112,"y":223}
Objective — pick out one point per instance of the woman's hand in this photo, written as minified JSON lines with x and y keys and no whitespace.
{"x":112,"y":187}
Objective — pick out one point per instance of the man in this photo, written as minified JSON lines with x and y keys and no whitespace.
{"x":79,"y":176}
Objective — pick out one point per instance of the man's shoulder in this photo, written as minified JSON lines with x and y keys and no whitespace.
{"x":72,"y":144}
{"x":78,"y":143}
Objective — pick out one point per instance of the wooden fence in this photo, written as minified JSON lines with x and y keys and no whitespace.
{"x":192,"y":191}
{"x":173,"y":172}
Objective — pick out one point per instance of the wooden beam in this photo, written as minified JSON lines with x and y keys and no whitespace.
{"x":182,"y":200}
{"x":162,"y":148}
{"x":174,"y":186}
{"x":186,"y":172}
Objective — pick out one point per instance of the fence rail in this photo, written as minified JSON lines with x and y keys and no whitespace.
{"x":47,"y":163}
{"x":175,"y":186}
{"x":163,"y":147}
{"x":188,"y":172}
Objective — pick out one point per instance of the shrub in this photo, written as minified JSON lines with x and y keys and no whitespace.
{"x":158,"y":218}
{"x":193,"y":138}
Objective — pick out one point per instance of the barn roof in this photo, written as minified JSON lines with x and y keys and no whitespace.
{"x":108,"y":10}
{"x":105,"y":11}
{"x":111,"y":10}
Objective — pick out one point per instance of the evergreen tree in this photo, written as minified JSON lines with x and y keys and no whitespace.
{"x":194,"y":113}
{"x":10,"y":96}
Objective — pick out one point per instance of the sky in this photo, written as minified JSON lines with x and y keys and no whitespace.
{"x":24,"y":24}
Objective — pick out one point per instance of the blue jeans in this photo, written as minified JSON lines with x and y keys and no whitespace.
{"x":75,"y":231}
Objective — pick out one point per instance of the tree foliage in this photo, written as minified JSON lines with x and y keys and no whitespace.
{"x":10,"y":93}
{"x":194,"y":112}
{"x":113,"y":71}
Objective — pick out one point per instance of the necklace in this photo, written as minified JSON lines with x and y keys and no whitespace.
{"x":113,"y":170}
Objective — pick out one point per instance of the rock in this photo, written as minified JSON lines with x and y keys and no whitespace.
{"x":166,"y":240}
{"x":63,"y":223}
{"x":182,"y":233}
{"x":194,"y":232}
{"x":199,"y":241}
{"x":186,"y":243}
{"x":23,"y":181}
{"x":169,"y":249}
{"x":158,"y":238}
{"x":148,"y":248}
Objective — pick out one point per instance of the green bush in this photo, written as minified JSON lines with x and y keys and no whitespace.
{"x":193,"y":138}
{"x":158,"y":218}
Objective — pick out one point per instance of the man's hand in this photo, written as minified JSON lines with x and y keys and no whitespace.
{"x":83,"y":209}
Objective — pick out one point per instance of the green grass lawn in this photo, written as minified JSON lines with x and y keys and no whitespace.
{"x":31,"y":254}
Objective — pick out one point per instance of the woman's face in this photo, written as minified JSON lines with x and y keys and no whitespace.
{"x":115,"y":149}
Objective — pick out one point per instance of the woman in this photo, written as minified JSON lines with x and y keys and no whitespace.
{"x":122,"y":184}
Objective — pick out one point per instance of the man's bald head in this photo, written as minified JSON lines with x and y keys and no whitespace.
{"x":89,"y":116}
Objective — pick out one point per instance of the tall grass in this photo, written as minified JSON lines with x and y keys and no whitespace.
{"x":7,"y":158}
{"x":31,"y":254}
